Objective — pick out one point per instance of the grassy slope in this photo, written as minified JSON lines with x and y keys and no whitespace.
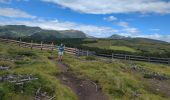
{"x":134,"y":45}
{"x":123,"y":48}
{"x":116,"y":80}
{"x":37,"y":64}
{"x":107,"y":44}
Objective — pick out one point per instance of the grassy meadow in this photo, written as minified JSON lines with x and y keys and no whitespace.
{"x":138,"y":46}
{"x":108,"y":44}
{"x":115,"y":78}
{"x":33,"y":62}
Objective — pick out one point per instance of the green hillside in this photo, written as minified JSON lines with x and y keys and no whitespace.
{"x":24,"y":62}
{"x":118,"y":79}
{"x":16,"y":31}
{"x":140,"y":46}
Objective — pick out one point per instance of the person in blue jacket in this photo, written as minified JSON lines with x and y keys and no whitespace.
{"x":60,"y":52}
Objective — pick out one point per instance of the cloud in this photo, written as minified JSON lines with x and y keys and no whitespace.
{"x":131,"y":30}
{"x":123,"y":24}
{"x":15,"y":13}
{"x":110,"y":18}
{"x":157,"y":37}
{"x":9,"y":1}
{"x":91,"y":30}
{"x":154,"y":29}
{"x":5,"y":1}
{"x":115,"y":6}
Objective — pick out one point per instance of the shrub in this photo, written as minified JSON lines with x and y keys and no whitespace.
{"x":148,"y":76}
{"x":90,"y":58}
{"x":2,"y":94}
{"x":26,"y":53}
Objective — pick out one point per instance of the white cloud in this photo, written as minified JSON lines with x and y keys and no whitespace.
{"x":154,"y":29}
{"x":157,"y":37}
{"x":131,"y":30}
{"x":115,"y":6}
{"x":110,"y":18}
{"x":123,"y":24}
{"x":5,"y":1}
{"x":16,"y":13}
{"x":9,"y":1}
{"x":92,"y":30}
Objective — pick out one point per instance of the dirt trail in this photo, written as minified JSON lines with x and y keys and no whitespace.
{"x":84,"y":88}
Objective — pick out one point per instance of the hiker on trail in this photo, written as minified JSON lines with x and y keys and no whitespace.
{"x":60,"y":52}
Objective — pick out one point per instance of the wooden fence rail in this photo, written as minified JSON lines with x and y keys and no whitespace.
{"x":79,"y":52}
{"x":41,"y":46}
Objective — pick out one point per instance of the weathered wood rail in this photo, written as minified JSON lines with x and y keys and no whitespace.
{"x":41,"y":46}
{"x":137,"y":58}
{"x":79,"y":52}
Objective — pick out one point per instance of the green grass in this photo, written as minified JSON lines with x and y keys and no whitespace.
{"x":144,"y":46}
{"x":33,"y":62}
{"x":122,"y":48}
{"x":108,"y":44}
{"x":115,"y":78}
{"x":100,"y":44}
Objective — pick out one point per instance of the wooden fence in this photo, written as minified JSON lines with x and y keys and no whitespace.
{"x":79,"y":52}
{"x":41,"y":46}
{"x":136,"y":58}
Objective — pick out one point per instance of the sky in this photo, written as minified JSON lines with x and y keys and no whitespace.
{"x":98,"y":18}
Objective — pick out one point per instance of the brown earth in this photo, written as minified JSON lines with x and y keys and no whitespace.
{"x":84,"y":88}
{"x":158,"y":87}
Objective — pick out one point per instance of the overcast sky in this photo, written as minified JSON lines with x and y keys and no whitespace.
{"x":99,"y":18}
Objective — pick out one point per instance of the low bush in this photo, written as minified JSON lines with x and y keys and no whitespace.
{"x":27,"y":53}
{"x":90,"y":58}
{"x":2,"y":94}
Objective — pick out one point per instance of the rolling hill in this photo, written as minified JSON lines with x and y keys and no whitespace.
{"x":16,"y":31}
{"x":138,"y":46}
{"x":116,"y":36}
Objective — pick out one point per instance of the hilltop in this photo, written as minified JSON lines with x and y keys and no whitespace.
{"x":16,"y":31}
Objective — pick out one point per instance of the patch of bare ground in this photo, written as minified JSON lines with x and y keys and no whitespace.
{"x":158,"y":86}
{"x":84,"y":88}
{"x":154,"y":82}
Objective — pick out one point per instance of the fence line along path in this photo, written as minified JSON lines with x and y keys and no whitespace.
{"x":41,"y":46}
{"x":79,"y":52}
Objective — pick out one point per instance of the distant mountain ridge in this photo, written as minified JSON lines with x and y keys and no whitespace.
{"x":116,"y":36}
{"x":37,"y":32}
{"x":16,"y":31}
{"x":120,"y":37}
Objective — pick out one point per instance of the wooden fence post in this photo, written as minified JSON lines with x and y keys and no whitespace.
{"x":169,"y":61}
{"x":148,"y":59}
{"x":129,"y":57}
{"x":87,"y":53}
{"x":41,"y":45}
{"x":125,"y":57}
{"x":52,"y":45}
{"x":31,"y":44}
{"x":76,"y":52}
{"x":20,"y":42}
{"x":112,"y":55}
{"x":81,"y":52}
